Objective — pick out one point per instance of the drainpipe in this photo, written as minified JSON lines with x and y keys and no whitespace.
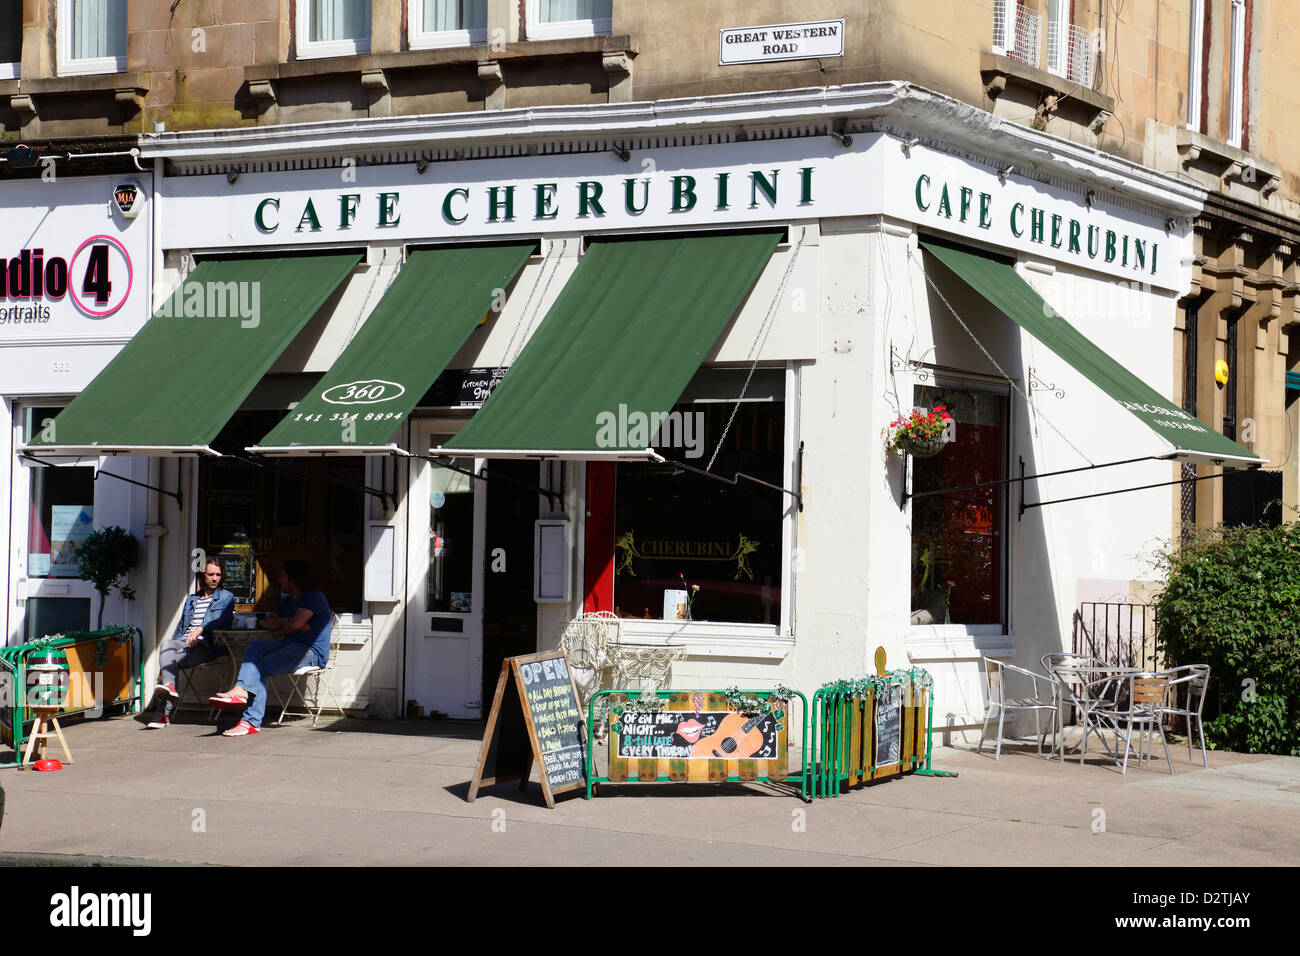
{"x":154,"y":529}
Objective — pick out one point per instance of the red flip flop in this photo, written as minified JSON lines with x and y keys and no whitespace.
{"x":228,"y":701}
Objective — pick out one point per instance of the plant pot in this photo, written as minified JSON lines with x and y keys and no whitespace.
{"x":920,"y":447}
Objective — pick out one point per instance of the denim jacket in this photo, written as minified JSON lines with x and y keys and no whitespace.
{"x":221,"y":614}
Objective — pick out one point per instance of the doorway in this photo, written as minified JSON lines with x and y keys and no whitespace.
{"x":510,"y":613}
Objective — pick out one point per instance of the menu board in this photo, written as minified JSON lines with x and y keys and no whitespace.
{"x":230,"y":519}
{"x":239,"y":579}
{"x":535,"y":716}
{"x":889,"y":726}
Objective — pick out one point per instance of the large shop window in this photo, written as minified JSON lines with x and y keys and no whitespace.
{"x":92,"y":36}
{"x":296,"y":509}
{"x":675,"y":530}
{"x":959,"y":538}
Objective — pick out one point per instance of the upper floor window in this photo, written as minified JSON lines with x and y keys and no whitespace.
{"x":11,"y":38}
{"x":1016,"y":31}
{"x":440,"y":23}
{"x":91,"y":36}
{"x":1070,"y":48}
{"x":333,"y":27}
{"x":560,"y":19}
{"x":1195,"y":71}
{"x":1236,"y":73}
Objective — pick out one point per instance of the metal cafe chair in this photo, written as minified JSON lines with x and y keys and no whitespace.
{"x":1139,"y":699}
{"x":1064,"y":670}
{"x":314,"y":683}
{"x":996,"y":679}
{"x":1191,"y":682}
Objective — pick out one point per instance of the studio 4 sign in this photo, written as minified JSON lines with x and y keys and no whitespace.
{"x":96,"y":279}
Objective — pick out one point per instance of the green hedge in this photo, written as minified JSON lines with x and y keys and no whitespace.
{"x":1232,"y":600}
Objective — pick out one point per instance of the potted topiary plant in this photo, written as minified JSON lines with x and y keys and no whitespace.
{"x":105,"y":558}
{"x":920,"y":434}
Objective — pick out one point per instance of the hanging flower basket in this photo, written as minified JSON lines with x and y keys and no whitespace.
{"x":919,"y":446}
{"x":920,"y":434}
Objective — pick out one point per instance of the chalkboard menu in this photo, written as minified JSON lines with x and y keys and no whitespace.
{"x":239,"y":579}
{"x":230,"y":519}
{"x":535,"y":716}
{"x":889,"y":726}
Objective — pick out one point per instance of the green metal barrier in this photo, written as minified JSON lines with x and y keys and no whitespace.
{"x":88,"y":653}
{"x":649,"y":770}
{"x":845,"y":744}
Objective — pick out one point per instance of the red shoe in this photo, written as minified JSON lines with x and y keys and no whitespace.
{"x":228,"y":701}
{"x":159,"y":723}
{"x":241,"y":729}
{"x":168,"y":690}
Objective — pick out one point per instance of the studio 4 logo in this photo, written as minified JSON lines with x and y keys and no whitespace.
{"x":96,"y":279}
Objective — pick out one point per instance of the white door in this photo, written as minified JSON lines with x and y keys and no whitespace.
{"x":444,"y":631}
{"x":53,"y":511}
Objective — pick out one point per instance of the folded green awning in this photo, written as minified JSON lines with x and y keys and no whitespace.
{"x":617,"y":348}
{"x":1189,"y":439}
{"x":424,"y":318}
{"x":174,"y":386}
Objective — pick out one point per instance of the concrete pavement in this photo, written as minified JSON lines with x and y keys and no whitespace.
{"x":359,"y":792}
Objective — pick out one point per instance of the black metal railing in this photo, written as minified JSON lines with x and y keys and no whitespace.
{"x":1119,"y":633}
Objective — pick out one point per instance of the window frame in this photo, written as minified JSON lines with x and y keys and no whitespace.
{"x":422,"y":39}
{"x":309,"y":49}
{"x":1059,"y":17}
{"x":14,"y":70}
{"x":1236,"y":73}
{"x":68,"y":65}
{"x":757,"y":640}
{"x":538,"y":29}
{"x":1195,"y":72}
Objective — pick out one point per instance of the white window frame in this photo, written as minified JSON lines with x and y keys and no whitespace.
{"x":1195,"y":77}
{"x":422,"y":39}
{"x":70,"y":66}
{"x":1236,"y":71}
{"x":309,"y":49}
{"x":563,"y":29}
{"x":1004,"y":14}
{"x":1058,"y":22}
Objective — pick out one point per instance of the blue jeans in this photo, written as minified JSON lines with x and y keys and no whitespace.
{"x":266,"y":659}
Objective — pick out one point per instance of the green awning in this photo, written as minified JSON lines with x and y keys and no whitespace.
{"x":617,"y":348}
{"x":1188,"y":438}
{"x":174,"y":386}
{"x":424,"y":318}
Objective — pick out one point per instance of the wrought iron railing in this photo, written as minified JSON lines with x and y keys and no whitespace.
{"x":1119,"y":633}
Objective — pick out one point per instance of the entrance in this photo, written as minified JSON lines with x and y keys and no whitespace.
{"x":444,"y":631}
{"x":510,"y":613}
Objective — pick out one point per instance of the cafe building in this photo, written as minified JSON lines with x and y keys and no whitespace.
{"x":486,"y":373}
{"x":74,"y":288}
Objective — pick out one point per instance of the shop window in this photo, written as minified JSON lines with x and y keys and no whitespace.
{"x":11,"y":39}
{"x":92,"y":36}
{"x":443,"y":23}
{"x":958,"y":538}
{"x":254,"y":518}
{"x":675,"y":530}
{"x":560,"y":19}
{"x":333,"y":28}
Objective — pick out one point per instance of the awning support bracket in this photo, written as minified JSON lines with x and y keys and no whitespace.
{"x":180,"y":502}
{"x":739,"y":475}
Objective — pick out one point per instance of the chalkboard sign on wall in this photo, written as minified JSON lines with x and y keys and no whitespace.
{"x":535,"y":716}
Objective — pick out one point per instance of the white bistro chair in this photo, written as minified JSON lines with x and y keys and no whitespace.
{"x":310,"y":683}
{"x":1186,"y":699}
{"x":995,"y":673}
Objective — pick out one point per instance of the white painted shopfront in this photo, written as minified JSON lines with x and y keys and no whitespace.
{"x":849,"y":324}
{"x":75,"y":287}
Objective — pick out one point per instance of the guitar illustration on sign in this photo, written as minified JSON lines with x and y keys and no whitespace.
{"x":735,"y":739}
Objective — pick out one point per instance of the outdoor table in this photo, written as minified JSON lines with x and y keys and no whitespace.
{"x":1063,"y":693}
{"x":236,"y":641}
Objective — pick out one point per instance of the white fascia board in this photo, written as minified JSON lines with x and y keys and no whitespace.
{"x":946,"y":123}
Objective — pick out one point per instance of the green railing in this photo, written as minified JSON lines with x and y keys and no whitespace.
{"x":846,"y":744}
{"x":15,"y":714}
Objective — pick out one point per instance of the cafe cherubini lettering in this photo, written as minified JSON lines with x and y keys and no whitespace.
{"x":508,"y":202}
{"x":965,"y":204}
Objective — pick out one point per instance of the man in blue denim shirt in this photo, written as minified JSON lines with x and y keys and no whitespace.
{"x":209,"y":609}
{"x":303,"y":622}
